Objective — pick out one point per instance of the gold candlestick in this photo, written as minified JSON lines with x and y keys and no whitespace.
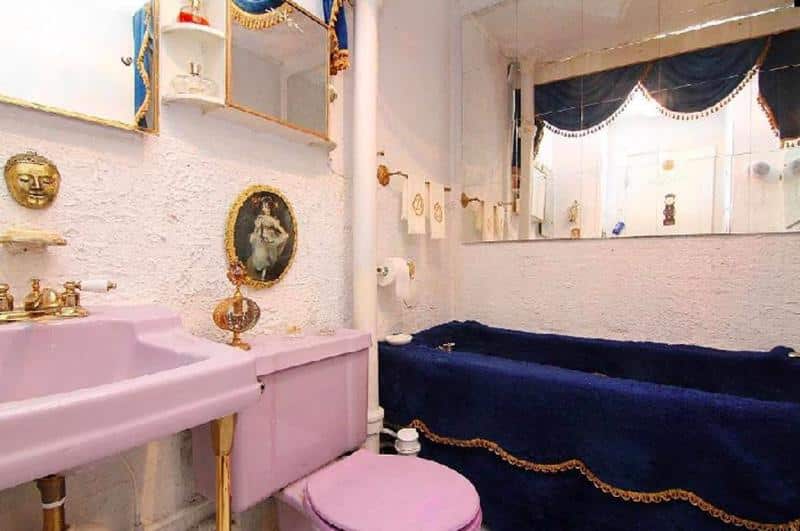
{"x":237,"y":314}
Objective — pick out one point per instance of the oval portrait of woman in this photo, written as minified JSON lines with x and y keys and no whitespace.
{"x":262,"y":235}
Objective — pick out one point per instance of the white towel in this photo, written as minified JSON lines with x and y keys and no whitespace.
{"x":415,"y":205}
{"x":499,"y":222}
{"x":436,"y":212}
{"x":487,"y":213}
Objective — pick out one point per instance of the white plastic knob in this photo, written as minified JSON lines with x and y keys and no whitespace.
{"x":97,"y":286}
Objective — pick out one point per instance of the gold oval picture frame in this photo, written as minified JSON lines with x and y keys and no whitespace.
{"x":262,"y":235}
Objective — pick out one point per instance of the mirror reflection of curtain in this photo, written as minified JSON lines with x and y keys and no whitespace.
{"x":583,"y":104}
{"x":259,"y":14}
{"x":336,"y":18}
{"x":143,"y":42}
{"x":779,"y":87}
{"x":703,"y":81}
{"x":685,"y":86}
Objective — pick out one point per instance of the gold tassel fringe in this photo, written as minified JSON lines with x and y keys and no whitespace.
{"x":576,"y":465}
{"x":144,"y":108}
{"x":261,"y":21}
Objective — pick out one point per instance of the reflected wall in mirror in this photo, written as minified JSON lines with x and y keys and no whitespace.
{"x":623,"y":118}
{"x":95,"y":60}
{"x":279,"y":66}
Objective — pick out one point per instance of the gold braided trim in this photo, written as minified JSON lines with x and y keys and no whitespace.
{"x":260,"y":21}
{"x":663,"y":496}
{"x":144,"y":108}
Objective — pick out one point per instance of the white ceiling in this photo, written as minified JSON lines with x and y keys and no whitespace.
{"x":549,"y":30}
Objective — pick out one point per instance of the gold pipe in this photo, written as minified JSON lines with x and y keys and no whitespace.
{"x":54,"y":491}
{"x":222,"y":441}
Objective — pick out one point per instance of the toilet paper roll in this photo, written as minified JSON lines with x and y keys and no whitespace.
{"x":397,"y":273}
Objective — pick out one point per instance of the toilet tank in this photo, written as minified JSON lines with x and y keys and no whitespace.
{"x":312,"y":410}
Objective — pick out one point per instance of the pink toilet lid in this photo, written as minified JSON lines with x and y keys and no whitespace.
{"x":392,"y":493}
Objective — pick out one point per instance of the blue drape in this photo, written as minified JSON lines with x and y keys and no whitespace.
{"x":340,"y":41}
{"x":142,"y":48}
{"x":257,"y":7}
{"x":584,"y":102}
{"x":699,"y":80}
{"x":642,"y":416}
{"x":779,"y":85}
{"x":694,"y":82}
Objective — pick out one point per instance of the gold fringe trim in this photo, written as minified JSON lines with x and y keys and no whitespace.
{"x":663,"y":496}
{"x":261,"y":21}
{"x":144,"y":108}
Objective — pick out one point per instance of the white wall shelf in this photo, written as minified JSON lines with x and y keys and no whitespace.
{"x":194,"y":30}
{"x":206,"y":103}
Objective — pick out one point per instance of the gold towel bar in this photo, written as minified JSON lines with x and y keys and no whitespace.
{"x":385,"y":176}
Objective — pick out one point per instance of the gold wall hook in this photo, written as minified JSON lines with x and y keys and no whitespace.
{"x":385,"y":176}
{"x":466,"y":200}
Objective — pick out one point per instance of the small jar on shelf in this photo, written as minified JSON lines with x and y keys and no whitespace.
{"x":193,"y":12}
{"x":194,"y":82}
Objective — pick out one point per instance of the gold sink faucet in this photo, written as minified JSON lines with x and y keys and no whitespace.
{"x":44,"y":302}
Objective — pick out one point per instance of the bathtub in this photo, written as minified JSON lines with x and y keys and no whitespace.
{"x":570,"y":433}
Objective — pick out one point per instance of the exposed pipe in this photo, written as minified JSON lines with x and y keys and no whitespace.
{"x":365,"y":160}
{"x":54,"y":495}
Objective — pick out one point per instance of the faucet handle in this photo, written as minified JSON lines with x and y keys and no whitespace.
{"x":96,"y":286}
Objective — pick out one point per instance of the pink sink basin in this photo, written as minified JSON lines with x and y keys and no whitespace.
{"x":75,"y":391}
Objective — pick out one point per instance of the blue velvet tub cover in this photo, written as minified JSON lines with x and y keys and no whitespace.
{"x":643,"y":417}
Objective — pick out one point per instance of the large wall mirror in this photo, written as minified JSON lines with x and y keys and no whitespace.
{"x":618,"y":119}
{"x":279,"y":66}
{"x":95,"y":60}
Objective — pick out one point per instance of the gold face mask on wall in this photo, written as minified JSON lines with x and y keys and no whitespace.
{"x":32,"y":179}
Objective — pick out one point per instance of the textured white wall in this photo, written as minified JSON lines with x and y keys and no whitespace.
{"x":414,"y":132}
{"x":722,"y":291}
{"x":149,"y":212}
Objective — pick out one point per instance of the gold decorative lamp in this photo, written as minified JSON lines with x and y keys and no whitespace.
{"x":237,"y":314}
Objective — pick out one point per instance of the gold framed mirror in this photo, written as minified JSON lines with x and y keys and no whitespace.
{"x":279,"y":66}
{"x":98,"y":62}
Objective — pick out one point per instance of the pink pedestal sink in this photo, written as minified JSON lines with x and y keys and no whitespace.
{"x":75,"y":391}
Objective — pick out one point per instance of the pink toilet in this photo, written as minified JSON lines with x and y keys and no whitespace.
{"x":312,"y":412}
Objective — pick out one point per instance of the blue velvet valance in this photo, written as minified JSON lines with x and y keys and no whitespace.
{"x":587,"y":102}
{"x":779,"y":86}
{"x":701,"y":80}
{"x":257,"y":7}
{"x":685,"y":86}
{"x":336,"y":18}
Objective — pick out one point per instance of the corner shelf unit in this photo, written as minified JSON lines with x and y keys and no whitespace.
{"x":182,"y":43}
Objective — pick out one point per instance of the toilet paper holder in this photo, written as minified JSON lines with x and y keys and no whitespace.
{"x":412,"y":270}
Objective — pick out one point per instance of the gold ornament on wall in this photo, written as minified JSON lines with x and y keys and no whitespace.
{"x":32,"y":180}
{"x":262,"y":235}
